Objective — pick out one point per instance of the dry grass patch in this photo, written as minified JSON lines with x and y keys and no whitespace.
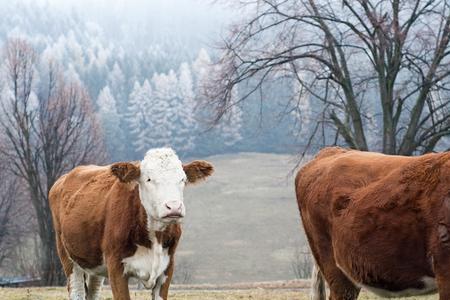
{"x":58,"y":293}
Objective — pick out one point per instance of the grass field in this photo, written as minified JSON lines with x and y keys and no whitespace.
{"x":257,"y":294}
{"x":242,"y":224}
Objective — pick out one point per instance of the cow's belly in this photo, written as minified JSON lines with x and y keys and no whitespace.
{"x":425,"y":285}
{"x":147,"y":264}
{"x":393,"y":280}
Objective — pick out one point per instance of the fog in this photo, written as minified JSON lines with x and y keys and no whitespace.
{"x":135,"y":22}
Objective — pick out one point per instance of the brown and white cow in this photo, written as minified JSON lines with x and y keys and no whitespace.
{"x":379,"y":222}
{"x":121,"y":221}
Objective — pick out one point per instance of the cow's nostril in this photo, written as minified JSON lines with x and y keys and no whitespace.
{"x":174,"y":206}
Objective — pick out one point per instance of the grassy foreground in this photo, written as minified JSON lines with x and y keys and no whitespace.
{"x":257,"y":294}
{"x":60,"y":294}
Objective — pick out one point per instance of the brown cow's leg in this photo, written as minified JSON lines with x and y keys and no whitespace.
{"x":341,"y":288}
{"x":63,"y":257}
{"x":441,"y":251}
{"x":441,"y":261}
{"x":67,"y":264}
{"x":117,"y":280}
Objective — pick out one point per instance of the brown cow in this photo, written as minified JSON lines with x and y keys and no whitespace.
{"x":380,"y":222}
{"x":122,"y":221}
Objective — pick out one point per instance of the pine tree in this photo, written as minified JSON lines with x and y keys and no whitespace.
{"x":137,"y":116}
{"x":186,"y":130}
{"x":110,"y":121}
{"x":201,"y":68}
{"x":162,"y":110}
{"x":116,"y":81}
{"x":145,"y":135}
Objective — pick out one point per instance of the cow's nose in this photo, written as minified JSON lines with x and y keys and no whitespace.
{"x":174,"y":206}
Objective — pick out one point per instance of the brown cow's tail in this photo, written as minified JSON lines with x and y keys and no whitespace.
{"x":317,"y":285}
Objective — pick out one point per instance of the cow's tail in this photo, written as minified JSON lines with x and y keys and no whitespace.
{"x":317,"y":285}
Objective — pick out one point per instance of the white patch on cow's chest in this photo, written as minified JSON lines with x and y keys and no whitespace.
{"x":147,"y":264}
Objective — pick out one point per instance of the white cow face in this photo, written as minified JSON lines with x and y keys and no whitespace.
{"x":161,"y":178}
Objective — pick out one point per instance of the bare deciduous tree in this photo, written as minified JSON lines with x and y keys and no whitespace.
{"x":351,"y":58}
{"x":10,"y":214}
{"x":49,"y":128}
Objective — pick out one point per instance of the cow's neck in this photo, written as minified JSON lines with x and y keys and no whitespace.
{"x":153,"y":227}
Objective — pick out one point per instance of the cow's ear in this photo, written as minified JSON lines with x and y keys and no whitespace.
{"x":197,"y":170}
{"x":125,"y":171}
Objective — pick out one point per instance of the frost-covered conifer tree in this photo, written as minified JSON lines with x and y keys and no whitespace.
{"x":116,"y":82}
{"x":201,"y":67}
{"x":139,"y":122}
{"x":110,"y":122}
{"x":186,"y":131}
{"x":162,"y":110}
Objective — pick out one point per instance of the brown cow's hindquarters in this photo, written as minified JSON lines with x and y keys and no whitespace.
{"x":372,"y":221}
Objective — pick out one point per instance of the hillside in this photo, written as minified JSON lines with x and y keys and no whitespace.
{"x":243,"y":223}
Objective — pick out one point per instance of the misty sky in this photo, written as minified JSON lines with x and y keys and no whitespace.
{"x":203,"y":20}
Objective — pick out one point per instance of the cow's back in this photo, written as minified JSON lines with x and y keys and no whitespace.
{"x":82,"y":180}
{"x":335,"y":172}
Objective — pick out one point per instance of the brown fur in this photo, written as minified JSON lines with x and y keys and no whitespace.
{"x":384,"y":220}
{"x":197,"y":170}
{"x":125,"y":171}
{"x":99,"y":219}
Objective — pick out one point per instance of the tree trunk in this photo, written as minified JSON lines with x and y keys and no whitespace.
{"x":389,"y":145}
{"x":52,"y":273}
{"x":50,"y":268}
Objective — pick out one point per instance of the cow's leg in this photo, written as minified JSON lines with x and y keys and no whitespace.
{"x":63,"y":257}
{"x":442,"y":273}
{"x":76,"y":284}
{"x":156,"y":291}
{"x":117,"y":280}
{"x":341,"y":288}
{"x":94,"y":287}
{"x":74,"y":274}
{"x":441,"y":262}
{"x":441,"y":251}
{"x":166,"y":278}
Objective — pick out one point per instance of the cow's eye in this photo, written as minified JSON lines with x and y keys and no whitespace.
{"x":148,"y":180}
{"x":183,"y":180}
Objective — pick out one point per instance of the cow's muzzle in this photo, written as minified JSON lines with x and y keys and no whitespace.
{"x":174,"y":210}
